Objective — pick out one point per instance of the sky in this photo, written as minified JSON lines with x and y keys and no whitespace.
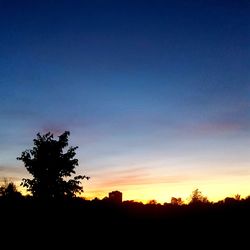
{"x":156,"y":94}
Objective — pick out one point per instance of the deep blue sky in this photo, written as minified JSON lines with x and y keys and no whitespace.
{"x":148,"y":89}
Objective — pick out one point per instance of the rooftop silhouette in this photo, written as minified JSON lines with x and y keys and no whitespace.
{"x":115,"y":196}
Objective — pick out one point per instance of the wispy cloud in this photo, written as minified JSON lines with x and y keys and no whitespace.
{"x":135,"y":180}
{"x":12,"y":173}
{"x":55,"y":129}
{"x":16,"y":113}
{"x":236,"y":119}
{"x":137,"y":176}
{"x":219,"y":126}
{"x":236,"y":172}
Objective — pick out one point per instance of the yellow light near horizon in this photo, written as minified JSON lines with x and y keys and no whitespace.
{"x":213,"y":183}
{"x":214,"y":189}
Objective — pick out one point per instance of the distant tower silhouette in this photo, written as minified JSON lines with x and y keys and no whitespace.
{"x":115,"y":196}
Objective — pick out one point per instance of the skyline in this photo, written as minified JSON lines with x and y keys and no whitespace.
{"x":156,"y":94}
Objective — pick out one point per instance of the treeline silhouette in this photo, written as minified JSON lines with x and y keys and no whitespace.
{"x":53,"y":208}
{"x":128,"y":221}
{"x":129,"y":211}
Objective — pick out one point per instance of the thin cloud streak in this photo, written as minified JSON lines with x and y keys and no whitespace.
{"x":135,"y":176}
{"x":13,"y":173}
{"x":134,"y":180}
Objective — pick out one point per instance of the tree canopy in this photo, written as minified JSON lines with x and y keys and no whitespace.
{"x":9,"y":190}
{"x":197,"y":197}
{"x":51,"y":167}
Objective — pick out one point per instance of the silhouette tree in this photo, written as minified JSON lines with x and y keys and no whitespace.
{"x":9,"y":190}
{"x":197,"y":197}
{"x":51,"y":168}
{"x":237,"y":197}
{"x":176,"y":201}
{"x":152,"y":202}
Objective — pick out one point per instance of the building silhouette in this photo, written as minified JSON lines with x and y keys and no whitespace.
{"x":115,"y":196}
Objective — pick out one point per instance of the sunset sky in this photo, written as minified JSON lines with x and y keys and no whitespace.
{"x":156,"y":94}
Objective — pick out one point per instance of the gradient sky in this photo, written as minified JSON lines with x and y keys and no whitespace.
{"x":156,"y":94}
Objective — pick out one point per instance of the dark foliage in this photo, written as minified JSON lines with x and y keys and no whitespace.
{"x":105,"y":222}
{"x":51,"y":168}
{"x":8,"y":190}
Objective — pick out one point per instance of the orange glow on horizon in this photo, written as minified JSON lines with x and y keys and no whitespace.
{"x":145,"y":184}
{"x":162,"y":193}
{"x":215,"y":190}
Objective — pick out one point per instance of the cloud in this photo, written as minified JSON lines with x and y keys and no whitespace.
{"x":137,"y":176}
{"x":142,"y":180}
{"x":55,"y":129}
{"x":16,"y":173}
{"x":219,"y":126}
{"x":4,"y":168}
{"x":236,"y":171}
{"x":16,"y":113}
{"x":236,"y":119}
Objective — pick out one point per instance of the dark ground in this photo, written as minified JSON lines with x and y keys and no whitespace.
{"x":94,"y":224}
